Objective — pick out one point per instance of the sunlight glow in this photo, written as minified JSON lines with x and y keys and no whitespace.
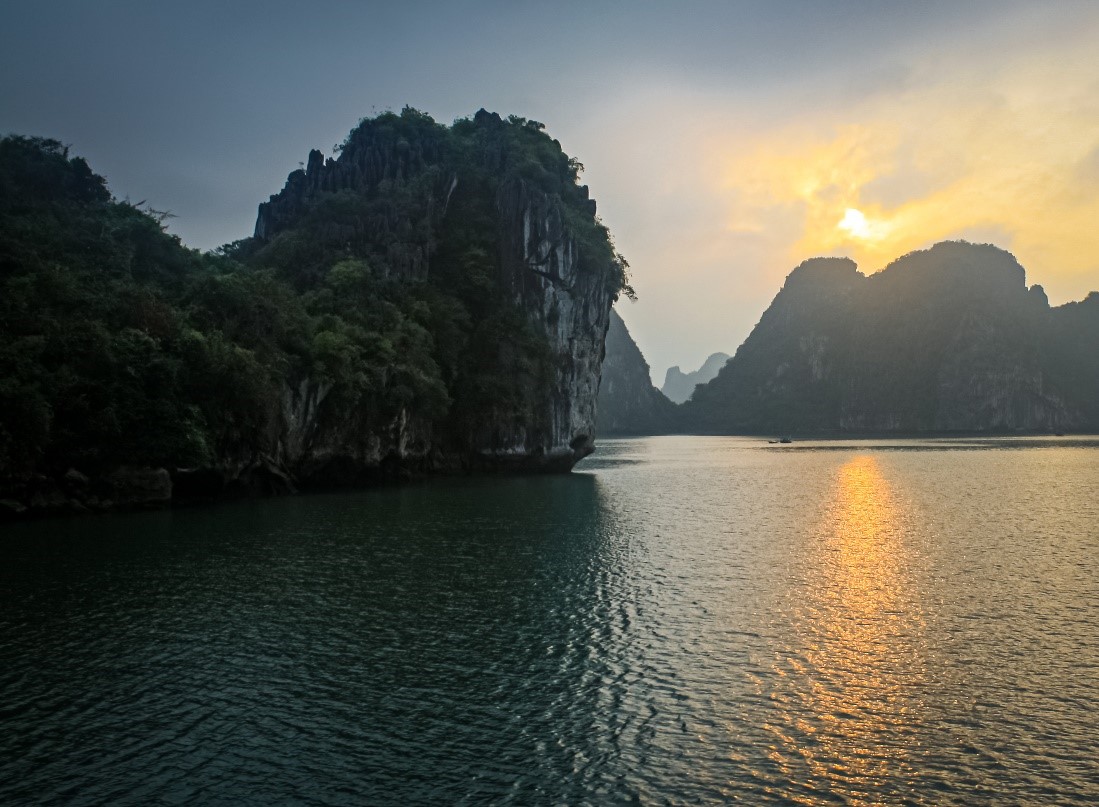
{"x":862,"y":633}
{"x":877,"y":182}
{"x":855,"y":223}
{"x":863,"y":536}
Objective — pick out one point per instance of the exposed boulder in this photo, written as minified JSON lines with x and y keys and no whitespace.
{"x":10,"y":508}
{"x":131,"y":487}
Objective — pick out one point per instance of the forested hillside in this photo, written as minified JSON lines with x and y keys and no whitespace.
{"x":433,"y":298}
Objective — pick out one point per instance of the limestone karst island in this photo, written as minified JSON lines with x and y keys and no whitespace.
{"x":570,"y":403}
{"x":436,"y":300}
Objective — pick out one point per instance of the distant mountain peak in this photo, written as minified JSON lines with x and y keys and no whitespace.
{"x":824,"y":269}
{"x":679,"y":386}
{"x":961,"y":261}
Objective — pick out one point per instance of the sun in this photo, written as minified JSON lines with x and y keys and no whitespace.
{"x":855,"y":223}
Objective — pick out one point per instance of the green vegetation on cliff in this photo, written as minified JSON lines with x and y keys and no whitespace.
{"x":386,"y":293}
{"x":99,"y":361}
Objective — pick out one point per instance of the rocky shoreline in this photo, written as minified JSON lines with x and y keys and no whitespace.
{"x":128,"y":488}
{"x":74,"y":493}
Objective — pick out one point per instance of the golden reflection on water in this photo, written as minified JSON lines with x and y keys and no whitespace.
{"x":863,"y":532}
{"x":858,"y":670}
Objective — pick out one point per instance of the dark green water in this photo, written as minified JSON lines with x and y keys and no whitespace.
{"x":682,"y":620}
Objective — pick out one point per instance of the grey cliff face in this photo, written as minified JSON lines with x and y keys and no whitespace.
{"x":570,"y":306}
{"x":334,"y":447}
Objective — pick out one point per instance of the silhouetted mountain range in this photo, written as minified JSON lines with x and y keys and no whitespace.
{"x":679,"y":386}
{"x":948,"y":339}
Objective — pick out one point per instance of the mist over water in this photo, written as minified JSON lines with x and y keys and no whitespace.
{"x":682,"y":619}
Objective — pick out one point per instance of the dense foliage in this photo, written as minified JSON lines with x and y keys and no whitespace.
{"x":119,"y":345}
{"x":97,"y":350}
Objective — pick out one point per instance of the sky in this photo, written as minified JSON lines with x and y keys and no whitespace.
{"x":725,"y":142}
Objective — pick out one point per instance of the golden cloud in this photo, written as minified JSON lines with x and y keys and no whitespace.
{"x":1013,"y":157}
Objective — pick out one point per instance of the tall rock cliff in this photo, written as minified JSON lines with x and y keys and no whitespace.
{"x":948,"y":339}
{"x":484,"y":229}
{"x":434,"y":298}
{"x":679,"y":386}
{"x":629,"y":404}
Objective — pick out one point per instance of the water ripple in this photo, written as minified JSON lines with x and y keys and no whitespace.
{"x":691,"y":620}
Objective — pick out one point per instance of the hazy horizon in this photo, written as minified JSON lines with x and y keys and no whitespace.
{"x":723,"y":143}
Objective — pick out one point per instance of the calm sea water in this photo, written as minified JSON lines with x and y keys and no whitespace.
{"x":682,"y":620}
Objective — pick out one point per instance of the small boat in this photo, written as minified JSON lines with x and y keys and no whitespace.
{"x":786,"y":440}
